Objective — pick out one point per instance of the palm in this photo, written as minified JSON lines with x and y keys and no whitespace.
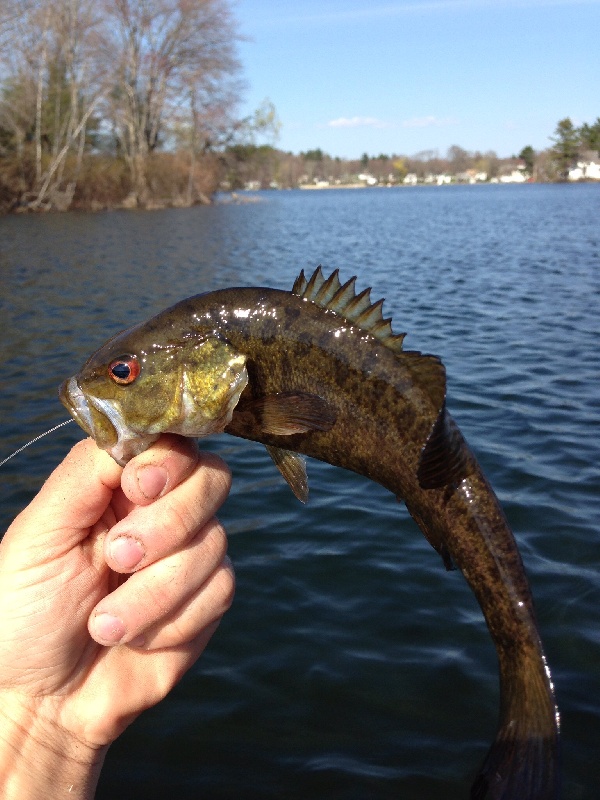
{"x":55,"y":582}
{"x":46,"y":599}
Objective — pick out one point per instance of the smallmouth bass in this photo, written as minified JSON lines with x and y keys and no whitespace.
{"x":319,"y":372}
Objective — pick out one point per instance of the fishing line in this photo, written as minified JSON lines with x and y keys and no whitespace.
{"x":41,"y":436}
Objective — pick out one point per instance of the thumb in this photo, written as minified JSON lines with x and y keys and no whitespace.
{"x":72,"y":500}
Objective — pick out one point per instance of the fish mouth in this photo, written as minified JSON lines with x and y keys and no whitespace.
{"x":101,"y":420}
{"x":74,"y":401}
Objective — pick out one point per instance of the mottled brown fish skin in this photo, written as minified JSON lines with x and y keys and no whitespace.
{"x":382,"y":417}
{"x":382,"y":425}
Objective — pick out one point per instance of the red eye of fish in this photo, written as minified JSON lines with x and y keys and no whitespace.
{"x":124,"y":370}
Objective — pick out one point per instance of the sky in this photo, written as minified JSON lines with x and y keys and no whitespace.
{"x":350,"y":76}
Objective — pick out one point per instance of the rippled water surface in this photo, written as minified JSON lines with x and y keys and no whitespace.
{"x":351,"y":664}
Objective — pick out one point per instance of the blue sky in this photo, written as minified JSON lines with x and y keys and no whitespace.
{"x":351,"y":76}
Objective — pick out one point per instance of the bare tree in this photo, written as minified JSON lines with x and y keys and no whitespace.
{"x":57,"y":79}
{"x":173,"y":57}
{"x":11,"y":11}
{"x":459,"y":158}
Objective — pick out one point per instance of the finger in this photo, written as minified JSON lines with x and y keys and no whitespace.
{"x":157,"y":591}
{"x":200,"y":611}
{"x":140,"y":680}
{"x":159,"y":469}
{"x":151,"y":532}
{"x":72,"y":500}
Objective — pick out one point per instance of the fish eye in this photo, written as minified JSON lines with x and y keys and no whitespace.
{"x":124,"y":370}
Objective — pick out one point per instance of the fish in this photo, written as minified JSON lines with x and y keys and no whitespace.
{"x":319,"y":372}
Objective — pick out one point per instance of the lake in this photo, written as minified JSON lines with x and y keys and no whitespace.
{"x":351,"y":665}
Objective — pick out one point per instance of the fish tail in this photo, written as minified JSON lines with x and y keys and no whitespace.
{"x":523,"y":763}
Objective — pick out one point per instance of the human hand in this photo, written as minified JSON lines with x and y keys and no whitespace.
{"x":88,"y":637}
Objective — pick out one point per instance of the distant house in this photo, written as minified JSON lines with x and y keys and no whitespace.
{"x":367,"y":178}
{"x":513,"y":172}
{"x":576,"y":173}
{"x":516,"y":176}
{"x":471,"y":176}
{"x":585,"y":171}
{"x":411,"y":179}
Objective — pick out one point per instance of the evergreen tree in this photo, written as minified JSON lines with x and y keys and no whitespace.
{"x":527,"y":154}
{"x":567,"y":142}
{"x":590,"y":136}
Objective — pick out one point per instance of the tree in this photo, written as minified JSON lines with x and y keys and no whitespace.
{"x":53,"y":86}
{"x":400,"y":169}
{"x":590,"y":136}
{"x":11,"y":12}
{"x":250,"y":148}
{"x":567,"y":142}
{"x":459,"y":158}
{"x":172,"y":57}
{"x":527,"y":155}
{"x":313,"y":155}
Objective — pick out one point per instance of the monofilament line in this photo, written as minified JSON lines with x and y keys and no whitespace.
{"x":41,"y":436}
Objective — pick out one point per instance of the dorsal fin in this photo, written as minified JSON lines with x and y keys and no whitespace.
{"x":357,"y":308}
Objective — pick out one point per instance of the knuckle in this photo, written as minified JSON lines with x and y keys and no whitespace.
{"x":226,"y":585}
{"x":158,"y":597}
{"x":178,"y":517}
{"x":215,"y":540}
{"x":216,"y":475}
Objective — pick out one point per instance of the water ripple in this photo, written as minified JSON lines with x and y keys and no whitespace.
{"x":351,"y":664}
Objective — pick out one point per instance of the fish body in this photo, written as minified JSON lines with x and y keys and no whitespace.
{"x":319,"y":372}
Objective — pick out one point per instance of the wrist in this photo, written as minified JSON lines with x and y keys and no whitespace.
{"x":38,"y":758}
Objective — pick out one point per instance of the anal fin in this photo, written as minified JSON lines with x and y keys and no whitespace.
{"x":293,"y":468}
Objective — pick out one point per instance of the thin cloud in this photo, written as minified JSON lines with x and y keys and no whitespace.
{"x":356,"y":122}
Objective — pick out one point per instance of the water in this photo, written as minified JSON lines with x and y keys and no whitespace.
{"x":351,"y":664}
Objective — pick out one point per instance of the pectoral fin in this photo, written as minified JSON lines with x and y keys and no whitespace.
{"x":287,"y":413}
{"x":293,"y":468}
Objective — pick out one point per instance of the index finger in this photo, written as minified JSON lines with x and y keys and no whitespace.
{"x":72,"y":499}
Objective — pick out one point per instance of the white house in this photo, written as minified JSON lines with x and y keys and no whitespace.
{"x":516,"y":176}
{"x":592,"y":171}
{"x":576,"y":173}
{"x":585,"y":170}
{"x":370,"y":180}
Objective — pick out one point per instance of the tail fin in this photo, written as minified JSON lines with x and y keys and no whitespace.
{"x":523,"y":762}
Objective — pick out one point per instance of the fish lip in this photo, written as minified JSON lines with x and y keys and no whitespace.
{"x":128,"y":443}
{"x":74,"y":401}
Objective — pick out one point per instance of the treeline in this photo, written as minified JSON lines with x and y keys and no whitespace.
{"x":132,"y":103}
{"x":117,"y":102}
{"x":264,"y":166}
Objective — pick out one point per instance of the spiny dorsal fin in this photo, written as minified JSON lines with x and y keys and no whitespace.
{"x":357,"y":308}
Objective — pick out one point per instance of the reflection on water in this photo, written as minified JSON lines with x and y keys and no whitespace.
{"x":351,"y":665}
